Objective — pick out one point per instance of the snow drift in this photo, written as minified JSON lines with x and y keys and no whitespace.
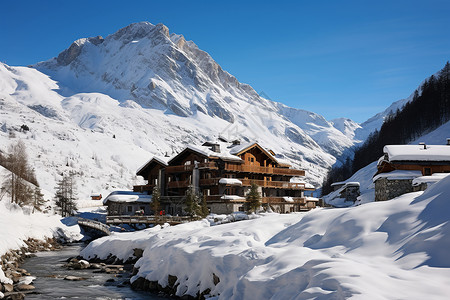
{"x":383,"y":250}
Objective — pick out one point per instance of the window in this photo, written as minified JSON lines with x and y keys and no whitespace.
{"x":427,"y":172}
{"x":241,"y":208}
{"x":252,"y":160}
{"x":129,"y":208}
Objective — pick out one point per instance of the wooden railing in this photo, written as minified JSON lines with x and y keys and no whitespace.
{"x":149,"y":219}
{"x":188,"y":168}
{"x":274,"y":184}
{"x":186,"y":183}
{"x":295,"y":200}
{"x":264,"y":170}
{"x":179,"y":184}
{"x":270,"y":200}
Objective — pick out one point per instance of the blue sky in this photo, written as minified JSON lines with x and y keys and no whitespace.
{"x":336,"y":58}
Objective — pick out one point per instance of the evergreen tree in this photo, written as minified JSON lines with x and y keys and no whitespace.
{"x":204,"y":211}
{"x":192,"y":199}
{"x":38,"y":199}
{"x":156,"y":200}
{"x":253,"y":198}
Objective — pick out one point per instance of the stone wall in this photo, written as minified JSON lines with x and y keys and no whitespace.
{"x":350,"y":193}
{"x":387,"y":189}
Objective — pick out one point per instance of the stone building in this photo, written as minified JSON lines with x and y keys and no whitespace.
{"x":344,"y":194}
{"x":401,"y":164}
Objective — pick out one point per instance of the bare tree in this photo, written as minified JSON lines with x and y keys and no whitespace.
{"x":16,"y":183}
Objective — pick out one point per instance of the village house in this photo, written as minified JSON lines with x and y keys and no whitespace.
{"x":222,"y":172}
{"x":120,"y":203}
{"x":401,"y":164}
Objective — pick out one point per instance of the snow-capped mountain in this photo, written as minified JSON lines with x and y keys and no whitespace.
{"x":104,"y":106}
{"x":146,"y":64}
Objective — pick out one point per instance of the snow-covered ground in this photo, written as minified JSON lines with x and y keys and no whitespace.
{"x":396,"y":249}
{"x":16,"y":226}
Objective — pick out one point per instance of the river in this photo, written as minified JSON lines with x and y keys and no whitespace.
{"x":49,"y":270}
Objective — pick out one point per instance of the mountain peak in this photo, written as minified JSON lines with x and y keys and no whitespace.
{"x":71,"y":53}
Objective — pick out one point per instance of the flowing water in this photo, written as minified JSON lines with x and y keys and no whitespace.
{"x":49,"y":270}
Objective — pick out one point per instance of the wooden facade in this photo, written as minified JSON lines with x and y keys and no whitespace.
{"x":223,"y":174}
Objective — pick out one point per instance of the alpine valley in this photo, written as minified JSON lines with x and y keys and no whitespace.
{"x":105,"y":106}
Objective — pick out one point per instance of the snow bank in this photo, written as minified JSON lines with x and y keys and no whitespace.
{"x":16,"y":227}
{"x":394,"y":249}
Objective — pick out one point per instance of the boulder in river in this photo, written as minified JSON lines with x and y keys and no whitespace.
{"x":74,"y":278}
{"x":25,"y":287}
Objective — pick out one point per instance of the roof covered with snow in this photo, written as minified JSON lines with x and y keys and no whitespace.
{"x":159,"y":160}
{"x":398,"y":174}
{"x":417,"y":152}
{"x":127,"y":197}
{"x":228,"y":151}
{"x":429,"y":179}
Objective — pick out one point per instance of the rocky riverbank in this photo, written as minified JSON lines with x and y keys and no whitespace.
{"x":18,"y":280}
{"x":113,"y":265}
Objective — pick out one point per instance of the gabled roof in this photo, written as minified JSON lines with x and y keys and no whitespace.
{"x":205,"y":151}
{"x":417,"y":152}
{"x":160,"y":161}
{"x":239,"y":149}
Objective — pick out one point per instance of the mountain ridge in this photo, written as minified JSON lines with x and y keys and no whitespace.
{"x":155,"y":92}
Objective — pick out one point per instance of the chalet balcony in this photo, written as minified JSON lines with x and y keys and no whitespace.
{"x":179,"y":184}
{"x":143,"y":188}
{"x":264,"y":170}
{"x":189,"y":168}
{"x":274,"y":184}
{"x":187,"y":183}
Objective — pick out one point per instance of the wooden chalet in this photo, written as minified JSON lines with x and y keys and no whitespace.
{"x":223,"y":172}
{"x":427,"y":159}
{"x":401,"y":164}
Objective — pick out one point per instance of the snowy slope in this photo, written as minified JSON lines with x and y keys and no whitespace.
{"x":155,"y":92}
{"x":383,"y":250}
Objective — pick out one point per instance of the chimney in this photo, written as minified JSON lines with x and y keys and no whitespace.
{"x":448,"y":141}
{"x":236,"y":142}
{"x":424,"y":145}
